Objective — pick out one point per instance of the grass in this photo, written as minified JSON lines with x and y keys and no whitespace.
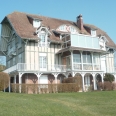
{"x":58,"y":104}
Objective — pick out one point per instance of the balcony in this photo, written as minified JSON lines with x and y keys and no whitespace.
{"x":87,"y":66}
{"x":59,"y":68}
{"x":35,"y":67}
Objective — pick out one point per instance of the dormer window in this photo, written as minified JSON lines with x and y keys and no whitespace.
{"x":93,"y":33}
{"x":43,"y":35}
{"x":36,"y":23}
{"x":67,"y":28}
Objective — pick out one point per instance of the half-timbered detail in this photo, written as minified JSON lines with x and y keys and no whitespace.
{"x":46,"y":50}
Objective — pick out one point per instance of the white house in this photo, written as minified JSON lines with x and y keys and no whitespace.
{"x":46,"y":50}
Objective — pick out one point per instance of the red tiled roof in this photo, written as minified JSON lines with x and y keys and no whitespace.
{"x":25,"y":29}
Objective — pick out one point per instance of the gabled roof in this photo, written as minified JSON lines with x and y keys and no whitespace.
{"x":100,"y":32}
{"x":22,"y":26}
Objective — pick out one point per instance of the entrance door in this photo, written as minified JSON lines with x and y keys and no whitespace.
{"x":42,"y":61}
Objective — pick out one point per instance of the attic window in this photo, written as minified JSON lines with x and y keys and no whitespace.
{"x":67,"y":28}
{"x":93,"y":32}
{"x":36,"y":23}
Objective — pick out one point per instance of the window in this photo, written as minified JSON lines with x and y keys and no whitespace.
{"x":87,"y":57}
{"x":93,"y":32}
{"x":77,"y":58}
{"x":36,"y":23}
{"x":96,"y":59}
{"x":8,"y":64}
{"x":42,"y":37}
{"x":8,"y":49}
{"x":19,"y":58}
{"x":14,"y":61}
{"x":42,"y":61}
{"x":19,"y":43}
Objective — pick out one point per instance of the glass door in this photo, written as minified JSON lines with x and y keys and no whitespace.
{"x":43,"y":62}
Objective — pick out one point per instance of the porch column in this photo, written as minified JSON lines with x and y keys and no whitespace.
{"x":55,"y":79}
{"x":55,"y":75}
{"x":102,"y":76}
{"x":9,"y":85}
{"x":38,"y":76}
{"x":94,"y":82}
{"x":71,"y":59}
{"x":15,"y":82}
{"x":115,"y":78}
{"x":81,"y":59}
{"x":83,"y":82}
{"x":14,"y":79}
{"x":20,"y":81}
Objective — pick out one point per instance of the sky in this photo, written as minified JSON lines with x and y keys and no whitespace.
{"x":101,"y":13}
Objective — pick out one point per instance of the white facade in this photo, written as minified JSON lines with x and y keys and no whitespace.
{"x":44,"y":60}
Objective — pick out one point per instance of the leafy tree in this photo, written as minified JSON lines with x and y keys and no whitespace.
{"x":109,"y":77}
{"x":4,"y":80}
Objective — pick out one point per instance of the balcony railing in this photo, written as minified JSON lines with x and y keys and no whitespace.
{"x":78,"y":66}
{"x":35,"y":67}
{"x":59,"y":68}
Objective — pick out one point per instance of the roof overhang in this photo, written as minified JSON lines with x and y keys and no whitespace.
{"x":82,"y":49}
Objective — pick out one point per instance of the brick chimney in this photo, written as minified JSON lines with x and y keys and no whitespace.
{"x":80,"y":22}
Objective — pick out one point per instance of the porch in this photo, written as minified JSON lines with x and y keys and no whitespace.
{"x":24,"y":67}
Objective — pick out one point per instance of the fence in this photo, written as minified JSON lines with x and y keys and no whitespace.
{"x":44,"y":88}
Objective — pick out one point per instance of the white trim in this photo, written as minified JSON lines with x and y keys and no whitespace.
{"x":42,"y":54}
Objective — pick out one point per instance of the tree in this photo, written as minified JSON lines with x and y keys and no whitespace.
{"x":109,"y":77}
{"x":4,"y":80}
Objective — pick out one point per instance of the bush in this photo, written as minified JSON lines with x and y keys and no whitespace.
{"x":108,"y":77}
{"x":4,"y":80}
{"x":107,"y":86}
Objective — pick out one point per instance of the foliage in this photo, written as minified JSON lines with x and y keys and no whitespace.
{"x":77,"y":79}
{"x":107,"y":86}
{"x":2,"y":67}
{"x":109,"y":77}
{"x":4,"y":80}
{"x":44,"y":88}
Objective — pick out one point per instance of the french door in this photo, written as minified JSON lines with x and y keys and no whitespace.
{"x":42,"y":61}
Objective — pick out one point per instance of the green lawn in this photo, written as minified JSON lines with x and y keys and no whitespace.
{"x":58,"y":104}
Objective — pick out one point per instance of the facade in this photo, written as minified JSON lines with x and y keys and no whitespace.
{"x":46,"y":50}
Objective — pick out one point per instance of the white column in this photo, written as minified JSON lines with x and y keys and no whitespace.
{"x":81,"y":59}
{"x":20,"y":81}
{"x":38,"y":76}
{"x":115,"y":78}
{"x":15,"y":82}
{"x":83,"y":83}
{"x":14,"y":79}
{"x":72,"y":60}
{"x":94,"y":82}
{"x":9,"y":85}
{"x":102,"y":76}
{"x":92,"y":60}
{"x":55,"y":79}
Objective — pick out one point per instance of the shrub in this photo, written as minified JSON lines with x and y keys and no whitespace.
{"x":108,"y":77}
{"x":77,"y":79}
{"x":4,"y":80}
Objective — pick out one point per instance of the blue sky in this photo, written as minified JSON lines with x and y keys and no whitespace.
{"x":101,"y":13}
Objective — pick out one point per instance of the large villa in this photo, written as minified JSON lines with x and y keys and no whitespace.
{"x":46,"y":50}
